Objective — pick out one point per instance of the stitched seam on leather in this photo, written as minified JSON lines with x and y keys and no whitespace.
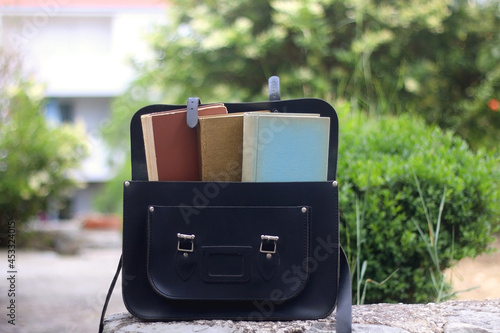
{"x":305,"y":249}
{"x":337,"y":269}
{"x":125,"y":295}
{"x":149,"y":254}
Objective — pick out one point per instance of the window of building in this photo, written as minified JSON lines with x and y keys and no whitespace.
{"x":58,"y":112}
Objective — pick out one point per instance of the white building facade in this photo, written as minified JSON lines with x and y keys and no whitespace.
{"x":80,"y":50}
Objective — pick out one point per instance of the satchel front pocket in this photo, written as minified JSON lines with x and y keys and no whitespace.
{"x":228,"y":252}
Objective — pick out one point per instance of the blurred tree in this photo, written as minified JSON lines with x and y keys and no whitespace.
{"x":36,"y":159}
{"x":440,"y":59}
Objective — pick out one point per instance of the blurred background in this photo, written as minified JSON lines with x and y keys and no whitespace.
{"x":71,"y":59}
{"x":416,"y":86}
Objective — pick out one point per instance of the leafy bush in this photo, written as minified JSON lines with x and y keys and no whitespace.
{"x":383,"y":163}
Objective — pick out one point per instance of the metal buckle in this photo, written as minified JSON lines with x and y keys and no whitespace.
{"x":268,"y":244}
{"x":187,"y":242}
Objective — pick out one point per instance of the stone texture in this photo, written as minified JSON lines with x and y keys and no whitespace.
{"x":451,"y":316}
{"x":447,"y":317}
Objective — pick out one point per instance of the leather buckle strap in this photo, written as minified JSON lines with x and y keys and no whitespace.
{"x":192,"y":111}
{"x":274,"y":88}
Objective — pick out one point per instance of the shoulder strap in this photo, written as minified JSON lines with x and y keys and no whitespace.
{"x":344,"y":297}
{"x":110,"y":292}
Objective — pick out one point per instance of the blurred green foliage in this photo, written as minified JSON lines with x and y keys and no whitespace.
{"x":36,"y":159}
{"x":382,"y":160}
{"x":439,"y":59}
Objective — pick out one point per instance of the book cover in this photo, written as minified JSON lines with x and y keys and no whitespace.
{"x":279,"y":147}
{"x":171,"y":146}
{"x":220,"y":146}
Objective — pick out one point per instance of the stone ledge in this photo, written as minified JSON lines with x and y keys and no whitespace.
{"x":447,"y":317}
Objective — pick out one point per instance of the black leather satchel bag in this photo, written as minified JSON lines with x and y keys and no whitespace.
{"x":234,"y":250}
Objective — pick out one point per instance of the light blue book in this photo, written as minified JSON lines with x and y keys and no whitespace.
{"x":281,"y":147}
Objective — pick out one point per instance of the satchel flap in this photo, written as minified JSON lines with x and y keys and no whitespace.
{"x":228,"y":252}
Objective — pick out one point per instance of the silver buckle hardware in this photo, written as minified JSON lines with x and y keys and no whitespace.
{"x":268,"y":244}
{"x":185,"y":242}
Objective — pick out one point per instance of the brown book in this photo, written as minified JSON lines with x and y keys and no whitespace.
{"x":171,"y":146}
{"x":220,"y":146}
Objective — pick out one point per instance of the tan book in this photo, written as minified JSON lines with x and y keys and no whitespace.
{"x":171,"y":146}
{"x":220,"y":146}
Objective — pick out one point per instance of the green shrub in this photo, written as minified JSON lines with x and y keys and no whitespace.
{"x":37,"y":159}
{"x":381,"y":161}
